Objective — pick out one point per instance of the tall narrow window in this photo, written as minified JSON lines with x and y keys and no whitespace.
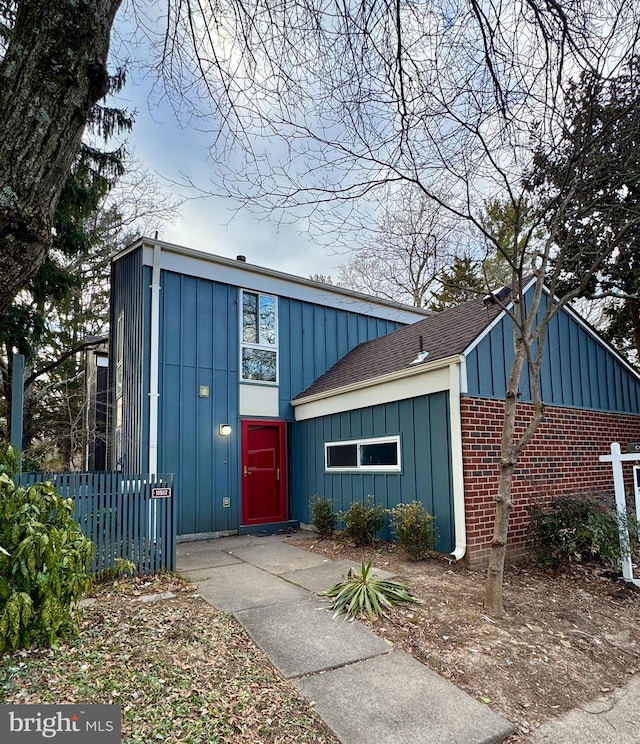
{"x":259,"y":337}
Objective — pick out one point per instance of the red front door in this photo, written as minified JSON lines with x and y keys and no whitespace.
{"x":264,"y":495}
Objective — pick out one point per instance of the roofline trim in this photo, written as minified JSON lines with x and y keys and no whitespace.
{"x":251,"y":268}
{"x":381,"y":379}
{"x":576,"y":317}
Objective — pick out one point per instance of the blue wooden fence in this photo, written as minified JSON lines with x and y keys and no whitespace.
{"x":125,"y":516}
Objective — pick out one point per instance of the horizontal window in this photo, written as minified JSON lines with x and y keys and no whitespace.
{"x":258,"y":364}
{"x":382,"y":454}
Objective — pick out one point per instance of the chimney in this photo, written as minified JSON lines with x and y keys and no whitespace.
{"x":242,"y":259}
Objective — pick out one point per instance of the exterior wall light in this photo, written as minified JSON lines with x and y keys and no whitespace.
{"x":225,"y":430}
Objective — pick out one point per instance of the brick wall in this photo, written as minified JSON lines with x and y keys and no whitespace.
{"x":561,"y":458}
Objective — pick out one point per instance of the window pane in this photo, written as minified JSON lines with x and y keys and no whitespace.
{"x":250,"y":317}
{"x":259,"y":365}
{"x":267,"y":320}
{"x":342,"y":456}
{"x":379,"y":454}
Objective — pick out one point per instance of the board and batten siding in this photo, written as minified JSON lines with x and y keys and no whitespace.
{"x":130,"y":292}
{"x":426,"y":475}
{"x":312,"y":338}
{"x":578,"y":370}
{"x":199,"y":348}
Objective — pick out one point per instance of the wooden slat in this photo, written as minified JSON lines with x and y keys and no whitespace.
{"x":119,"y":514}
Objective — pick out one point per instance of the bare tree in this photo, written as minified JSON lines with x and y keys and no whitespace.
{"x":404,"y":252}
{"x":453,"y":98}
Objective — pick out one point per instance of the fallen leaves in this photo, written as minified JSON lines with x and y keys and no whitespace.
{"x":181,"y":671}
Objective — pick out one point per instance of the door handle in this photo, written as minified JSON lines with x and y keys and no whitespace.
{"x":278,"y":473}
{"x":246,"y":471}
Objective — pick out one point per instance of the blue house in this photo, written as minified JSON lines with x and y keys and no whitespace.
{"x":260,"y":389}
{"x":207,"y":354}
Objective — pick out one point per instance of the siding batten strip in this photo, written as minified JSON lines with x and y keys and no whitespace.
{"x":154,"y":359}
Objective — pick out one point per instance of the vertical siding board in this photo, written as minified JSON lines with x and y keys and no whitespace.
{"x":576,"y":377}
{"x":584,"y":368}
{"x":553,"y":353}
{"x":485,"y":371}
{"x":342,"y":329}
{"x":319,"y":357}
{"x":287,"y":371}
{"x":497,"y":361}
{"x":129,"y":296}
{"x":425,"y":451}
{"x":594,"y":390}
{"x":565,"y":358}
{"x":410,"y":428}
{"x":473,"y":384}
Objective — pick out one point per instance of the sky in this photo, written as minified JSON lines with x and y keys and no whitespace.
{"x":212,"y":224}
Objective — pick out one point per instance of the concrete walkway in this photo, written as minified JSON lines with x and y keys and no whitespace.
{"x":363,"y":689}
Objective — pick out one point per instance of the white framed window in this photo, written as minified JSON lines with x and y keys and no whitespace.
{"x":381,"y":454}
{"x":259,"y":337}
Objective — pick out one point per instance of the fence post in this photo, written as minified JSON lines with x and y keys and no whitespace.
{"x":616,"y":458}
{"x":17,"y":405}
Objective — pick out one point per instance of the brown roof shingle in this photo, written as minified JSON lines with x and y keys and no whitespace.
{"x":444,"y":334}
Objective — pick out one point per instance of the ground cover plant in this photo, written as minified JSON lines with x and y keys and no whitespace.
{"x":182,"y":671}
{"x":568,"y":637}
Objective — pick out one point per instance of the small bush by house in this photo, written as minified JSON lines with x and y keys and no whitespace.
{"x":362,"y":521}
{"x":579,"y":527}
{"x":324,"y":518}
{"x":414,"y":528}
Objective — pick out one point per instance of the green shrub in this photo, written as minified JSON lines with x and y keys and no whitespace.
{"x":324,"y":518}
{"x":413,"y":526}
{"x":578,"y":527}
{"x":43,"y":562}
{"x":362,"y":521}
{"x":365,"y":594}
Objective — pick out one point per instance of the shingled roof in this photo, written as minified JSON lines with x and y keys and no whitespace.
{"x":444,"y":334}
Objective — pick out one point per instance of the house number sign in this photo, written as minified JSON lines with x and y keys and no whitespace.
{"x":161,"y":493}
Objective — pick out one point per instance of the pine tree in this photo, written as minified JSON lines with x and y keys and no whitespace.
{"x":459,"y":283}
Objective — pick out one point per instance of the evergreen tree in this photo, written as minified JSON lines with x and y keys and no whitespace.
{"x":609,"y":202}
{"x":459,"y":283}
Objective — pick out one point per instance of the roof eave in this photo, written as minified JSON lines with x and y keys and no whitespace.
{"x":400,"y":374}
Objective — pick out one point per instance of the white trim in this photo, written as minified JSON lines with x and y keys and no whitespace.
{"x":257,"y":346}
{"x":358,"y":467}
{"x":182,"y":260}
{"x":413,"y":382}
{"x":257,"y":399}
{"x":154,"y":360}
{"x":457,"y":463}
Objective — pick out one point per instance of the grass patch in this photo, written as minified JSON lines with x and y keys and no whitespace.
{"x":181,"y":671}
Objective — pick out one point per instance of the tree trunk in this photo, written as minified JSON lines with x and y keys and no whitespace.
{"x":495,"y":572}
{"x":509,"y":454}
{"x":53,"y":73}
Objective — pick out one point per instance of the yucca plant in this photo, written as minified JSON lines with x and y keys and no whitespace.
{"x":365,"y":594}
